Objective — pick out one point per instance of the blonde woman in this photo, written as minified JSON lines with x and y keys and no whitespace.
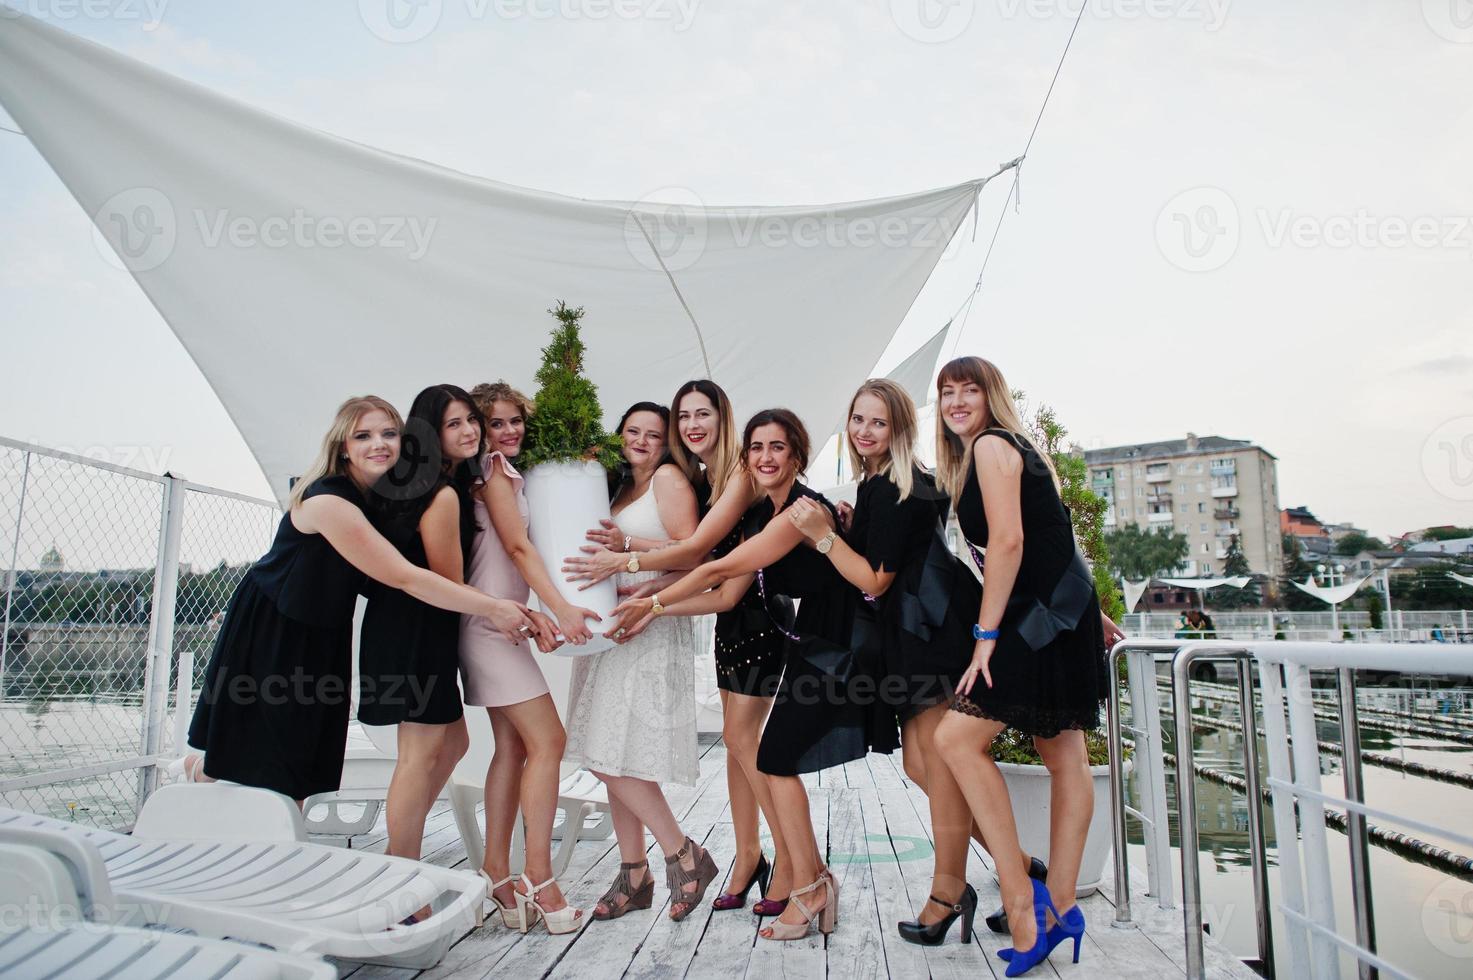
{"x":1038,"y":662}
{"x":273,"y":711}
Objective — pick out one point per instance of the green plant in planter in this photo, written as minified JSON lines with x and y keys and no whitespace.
{"x":567,"y":425}
{"x":1014,"y":747}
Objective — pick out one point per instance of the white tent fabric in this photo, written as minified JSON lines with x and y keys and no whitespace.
{"x":1465,"y":579}
{"x":1333,"y":595}
{"x":298,"y":268}
{"x":917,"y":373}
{"x":1236,"y":581}
{"x":1133,"y":592}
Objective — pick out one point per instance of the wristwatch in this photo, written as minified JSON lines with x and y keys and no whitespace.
{"x":655,"y":606}
{"x":978,"y":633}
{"x":632,"y":565}
{"x":825,"y":543}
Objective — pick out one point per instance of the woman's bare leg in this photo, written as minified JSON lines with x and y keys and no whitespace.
{"x":427,"y":755}
{"x":951,"y":820}
{"x":790,"y":803}
{"x":503,"y":789}
{"x":742,"y":718}
{"x":543,"y":741}
{"x":1071,"y":807}
{"x":646,"y":804}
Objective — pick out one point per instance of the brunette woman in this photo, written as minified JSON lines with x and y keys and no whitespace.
{"x":821,"y":716}
{"x":1038,"y":664}
{"x":504,"y":678}
{"x":274,"y":708}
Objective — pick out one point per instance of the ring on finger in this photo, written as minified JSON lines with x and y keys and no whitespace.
{"x":619,"y":633}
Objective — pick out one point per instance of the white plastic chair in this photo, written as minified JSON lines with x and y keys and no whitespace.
{"x":232,"y":861}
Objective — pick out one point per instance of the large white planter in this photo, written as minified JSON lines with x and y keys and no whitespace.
{"x":1028,"y":789}
{"x":565,"y":500}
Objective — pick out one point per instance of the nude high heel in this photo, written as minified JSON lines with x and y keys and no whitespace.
{"x":564,"y":920}
{"x":827,"y":918}
{"x":515,"y":915}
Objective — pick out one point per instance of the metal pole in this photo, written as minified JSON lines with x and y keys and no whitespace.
{"x":20,"y":515}
{"x":1257,"y":846}
{"x":1355,"y":823}
{"x":161,"y":632}
{"x":1117,"y":790}
{"x":1186,"y":810}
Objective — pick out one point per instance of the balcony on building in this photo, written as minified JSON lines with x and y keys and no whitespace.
{"x":1225,"y":489}
{"x":1224,"y":467}
{"x":1160,"y":517}
{"x":1226,"y":512}
{"x":1103,"y":477}
{"x":1158,"y":473}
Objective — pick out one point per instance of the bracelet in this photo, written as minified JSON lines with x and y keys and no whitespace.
{"x":628,"y":540}
{"x":978,"y":633}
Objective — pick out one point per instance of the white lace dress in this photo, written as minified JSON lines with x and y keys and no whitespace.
{"x":632,"y":708}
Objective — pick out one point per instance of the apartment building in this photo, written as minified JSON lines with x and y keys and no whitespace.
{"x":1207,"y":488}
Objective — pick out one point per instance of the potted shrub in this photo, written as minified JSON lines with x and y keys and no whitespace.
{"x":1028,"y":788}
{"x":565,"y":463}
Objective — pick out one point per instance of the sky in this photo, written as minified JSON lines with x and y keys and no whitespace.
{"x":1246,"y":219}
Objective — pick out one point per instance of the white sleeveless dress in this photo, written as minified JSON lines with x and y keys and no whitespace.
{"x":632,"y":708}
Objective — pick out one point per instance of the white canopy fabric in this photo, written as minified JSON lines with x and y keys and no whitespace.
{"x":1333,"y":594}
{"x":298,"y":268}
{"x":917,"y":373}
{"x":1133,"y":592}
{"x":1236,"y":581}
{"x":1466,"y":580}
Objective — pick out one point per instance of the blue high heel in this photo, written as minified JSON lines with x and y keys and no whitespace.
{"x":1069,"y":926}
{"x":1026,"y":959}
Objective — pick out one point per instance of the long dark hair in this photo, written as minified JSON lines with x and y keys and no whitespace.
{"x":792,"y":426}
{"x":624,"y":475}
{"x":406,"y":491}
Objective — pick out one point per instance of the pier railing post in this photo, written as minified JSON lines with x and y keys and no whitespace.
{"x":1117,"y":790}
{"x":161,"y":634}
{"x":11,"y":579}
{"x":1257,"y":845}
{"x":1355,"y":823}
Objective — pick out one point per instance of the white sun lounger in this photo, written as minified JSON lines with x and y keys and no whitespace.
{"x":219,"y":860}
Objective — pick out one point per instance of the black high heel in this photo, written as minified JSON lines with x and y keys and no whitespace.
{"x":761,"y":875}
{"x":998,"y":921}
{"x":914,"y":931}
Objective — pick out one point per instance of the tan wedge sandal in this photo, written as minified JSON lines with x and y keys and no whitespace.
{"x":677,"y":877}
{"x":623,"y":896}
{"x":827,"y":917}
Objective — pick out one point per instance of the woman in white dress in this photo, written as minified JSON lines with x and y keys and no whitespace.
{"x":631,"y":709}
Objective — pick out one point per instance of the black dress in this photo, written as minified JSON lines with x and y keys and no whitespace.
{"x":749,"y":644}
{"x":925,"y":617}
{"x":1048,"y":667}
{"x":274,"y":708}
{"x":828,"y":710}
{"x":408,"y":650}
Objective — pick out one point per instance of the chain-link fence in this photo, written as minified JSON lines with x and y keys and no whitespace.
{"x":114,"y":580}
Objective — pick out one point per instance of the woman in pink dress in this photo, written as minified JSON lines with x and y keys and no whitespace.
{"x":504,"y":678}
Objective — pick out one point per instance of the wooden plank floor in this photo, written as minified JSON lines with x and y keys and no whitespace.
{"x":874,"y":826}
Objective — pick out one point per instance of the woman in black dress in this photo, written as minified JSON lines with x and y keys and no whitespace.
{"x":1039,"y":660}
{"x":274,"y":708}
{"x":825,"y":712}
{"x":749,"y":639}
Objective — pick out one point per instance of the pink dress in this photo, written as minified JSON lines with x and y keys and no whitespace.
{"x":493,"y":670}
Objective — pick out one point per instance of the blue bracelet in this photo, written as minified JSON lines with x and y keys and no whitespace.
{"x":978,"y":633}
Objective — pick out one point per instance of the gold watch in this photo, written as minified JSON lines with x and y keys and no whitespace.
{"x":655,"y":606}
{"x":826,"y":542}
{"x":632,"y":565}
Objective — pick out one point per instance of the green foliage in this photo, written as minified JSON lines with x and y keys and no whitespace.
{"x":1086,"y":508}
{"x":1227,"y":597}
{"x":1376,"y":607}
{"x":1138,"y":552}
{"x":1356,"y":542}
{"x":1015,"y":747}
{"x":567,"y":423}
{"x":1446,"y":533}
{"x":1430,"y":588}
{"x":1295,"y":569}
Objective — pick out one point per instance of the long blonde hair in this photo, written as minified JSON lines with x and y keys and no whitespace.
{"x":953,"y":457}
{"x":332,"y":458}
{"x":725,"y":456}
{"x":899,"y":463}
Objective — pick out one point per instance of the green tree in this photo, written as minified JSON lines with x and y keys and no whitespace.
{"x":1138,"y":553}
{"x":1356,"y":542}
{"x":1086,"y":508}
{"x":1447,"y":533}
{"x":1295,"y":569}
{"x":1235,"y":564}
{"x":567,"y":423}
{"x":1376,"y":608}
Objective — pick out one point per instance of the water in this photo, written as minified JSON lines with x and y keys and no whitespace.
{"x":1423,"y":914}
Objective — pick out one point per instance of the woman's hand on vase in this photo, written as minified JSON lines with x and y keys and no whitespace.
{"x":630,"y":619}
{"x":545,"y":631}
{"x":608,"y":535}
{"x":810,"y":517}
{"x":573,"y":622}
{"x":592,"y":568}
{"x":512,"y":618}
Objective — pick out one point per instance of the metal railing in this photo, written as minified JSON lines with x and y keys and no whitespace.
{"x":114,"y":583}
{"x":1298,"y":800}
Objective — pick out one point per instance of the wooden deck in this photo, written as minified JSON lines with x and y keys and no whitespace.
{"x":874,"y":827}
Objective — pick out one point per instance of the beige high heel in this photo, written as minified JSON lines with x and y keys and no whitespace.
{"x":559,"y":922}
{"x":515,"y":915}
{"x":827,"y":917}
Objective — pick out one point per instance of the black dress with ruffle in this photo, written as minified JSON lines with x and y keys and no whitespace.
{"x":1048,"y":667}
{"x":828,"y":709}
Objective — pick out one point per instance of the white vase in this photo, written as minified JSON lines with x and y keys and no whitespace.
{"x":1028,"y":789}
{"x":565,"y":500}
